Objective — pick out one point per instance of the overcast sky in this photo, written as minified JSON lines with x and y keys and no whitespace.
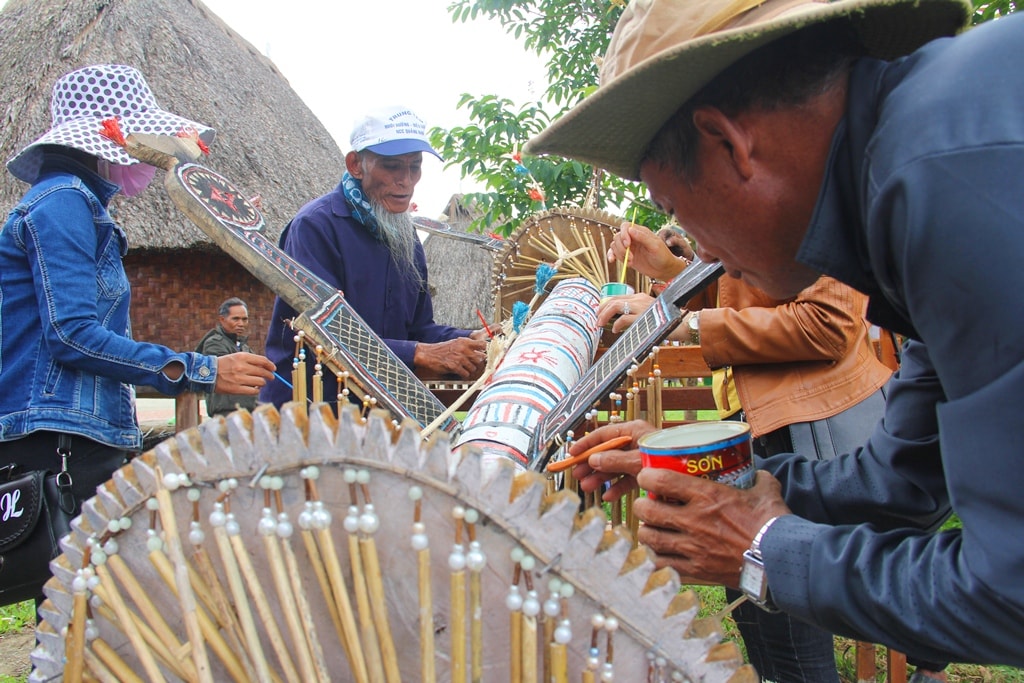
{"x":343,"y":57}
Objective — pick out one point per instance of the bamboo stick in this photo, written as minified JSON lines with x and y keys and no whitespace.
{"x":368,"y":525}
{"x":421,"y":545}
{"x":113,"y":661}
{"x":74,"y":642}
{"x":371,"y":647}
{"x":186,"y":597}
{"x":320,"y":521}
{"x":212,"y":635}
{"x":107,"y":590}
{"x":175,"y":660}
{"x":254,"y":648}
{"x":96,"y":668}
{"x":253,"y":583}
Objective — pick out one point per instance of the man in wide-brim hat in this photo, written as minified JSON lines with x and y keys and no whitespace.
{"x":856,"y":139}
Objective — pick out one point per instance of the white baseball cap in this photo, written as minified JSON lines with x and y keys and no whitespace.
{"x":391,"y":131}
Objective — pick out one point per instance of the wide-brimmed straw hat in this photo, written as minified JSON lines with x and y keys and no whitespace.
{"x":664,"y":51}
{"x":83,"y":98}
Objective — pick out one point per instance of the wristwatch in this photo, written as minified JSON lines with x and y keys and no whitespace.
{"x":753,"y":577}
{"x":694,"y":324}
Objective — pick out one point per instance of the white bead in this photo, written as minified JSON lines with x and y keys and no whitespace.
{"x":472,"y":516}
{"x":457,"y":559}
{"x":113,"y":526}
{"x":91,"y":632}
{"x":607,"y":672}
{"x":551,"y":607}
{"x":217,"y":517}
{"x":363,"y":477}
{"x":196,"y":535}
{"x":306,"y":517}
{"x":369,"y":522}
{"x":79,"y":584}
{"x":170,"y":481}
{"x":567,"y":590}
{"x":352,"y":519}
{"x":458,"y":512}
{"x":420,"y":542}
{"x":597,"y":621}
{"x":350,"y":476}
{"x":563,"y":634}
{"x":531,"y":605}
{"x":517,"y":554}
{"x":554,"y":584}
{"x":193,"y":495}
{"x":284,"y":526}
{"x":152,"y":504}
{"x":321,"y":515}
{"x":475,"y":559}
{"x":110,"y":547}
{"x":231,"y":525}
{"x":95,"y":601}
{"x":611,"y":624}
{"x":528,"y":563}
{"x":514,"y":601}
{"x":125,"y":523}
{"x":154,"y":543}
{"x":183,"y":480}
{"x":415,"y":493}
{"x":266,"y":525}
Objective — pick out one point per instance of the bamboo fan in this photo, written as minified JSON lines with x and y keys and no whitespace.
{"x":302,"y":547}
{"x":543,"y":238}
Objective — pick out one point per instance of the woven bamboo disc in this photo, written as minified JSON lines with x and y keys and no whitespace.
{"x":595,"y":571}
{"x":538,"y":240}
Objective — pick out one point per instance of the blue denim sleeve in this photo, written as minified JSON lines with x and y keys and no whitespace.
{"x":73,"y":274}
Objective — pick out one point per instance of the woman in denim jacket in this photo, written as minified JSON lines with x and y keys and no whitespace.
{"x":67,"y":360}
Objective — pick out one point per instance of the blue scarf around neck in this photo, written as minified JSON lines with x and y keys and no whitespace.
{"x":358,"y":204}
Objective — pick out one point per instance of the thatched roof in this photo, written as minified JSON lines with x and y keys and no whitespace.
{"x":268,"y":142}
{"x":460,"y":273}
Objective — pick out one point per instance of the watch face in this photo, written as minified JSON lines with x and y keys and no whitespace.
{"x":753,"y":581}
{"x":220,"y":197}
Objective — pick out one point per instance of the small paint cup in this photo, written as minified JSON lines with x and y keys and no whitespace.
{"x":716,"y":450}
{"x":609,"y":289}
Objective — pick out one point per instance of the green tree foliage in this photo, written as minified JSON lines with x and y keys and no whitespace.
{"x":571,"y":36}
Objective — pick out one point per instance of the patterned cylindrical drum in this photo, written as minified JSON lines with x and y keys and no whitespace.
{"x":548,"y":358}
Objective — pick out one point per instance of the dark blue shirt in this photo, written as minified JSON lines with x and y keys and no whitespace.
{"x":325,"y":238}
{"x":922,"y":208}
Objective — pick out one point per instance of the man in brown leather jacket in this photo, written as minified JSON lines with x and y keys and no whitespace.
{"x":801,"y":372}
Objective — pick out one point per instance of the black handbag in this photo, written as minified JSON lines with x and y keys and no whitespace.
{"x":36,"y":509}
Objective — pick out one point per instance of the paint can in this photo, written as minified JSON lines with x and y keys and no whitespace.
{"x":716,"y":450}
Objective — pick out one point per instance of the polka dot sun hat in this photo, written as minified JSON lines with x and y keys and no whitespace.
{"x":83,"y":98}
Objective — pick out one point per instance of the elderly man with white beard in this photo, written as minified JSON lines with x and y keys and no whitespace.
{"x":360,"y":239}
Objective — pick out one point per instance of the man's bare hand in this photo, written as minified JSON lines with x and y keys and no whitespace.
{"x":648,"y":253}
{"x":618,"y":466}
{"x":676,"y":242}
{"x":242,"y":373}
{"x":462,"y":356}
{"x":701,"y":528}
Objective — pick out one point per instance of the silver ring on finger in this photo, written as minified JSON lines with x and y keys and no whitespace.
{"x":625,"y":308}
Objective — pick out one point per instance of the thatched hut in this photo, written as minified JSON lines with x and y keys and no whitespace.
{"x":459,"y":272}
{"x":268,"y":141}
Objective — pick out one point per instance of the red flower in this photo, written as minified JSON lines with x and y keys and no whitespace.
{"x":536,"y":195}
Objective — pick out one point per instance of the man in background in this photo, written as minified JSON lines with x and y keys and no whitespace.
{"x":229,"y":336}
